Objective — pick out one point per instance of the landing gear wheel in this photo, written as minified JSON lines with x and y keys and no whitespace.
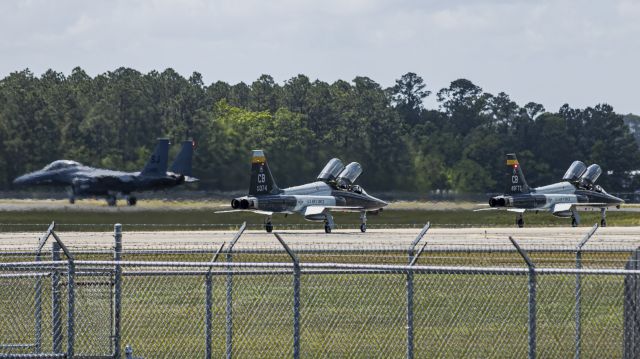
{"x":72,"y":200}
{"x":131,"y":201}
{"x":520,"y":222}
{"x":327,"y":228}
{"x":574,"y":222}
{"x":603,"y":223}
{"x":111,"y":201}
{"x":363,"y":228}
{"x":268,"y":227}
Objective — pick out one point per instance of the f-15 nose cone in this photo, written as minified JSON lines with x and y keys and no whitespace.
{"x":22,"y":180}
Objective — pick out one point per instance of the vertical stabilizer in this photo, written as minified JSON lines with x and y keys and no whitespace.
{"x":157,"y":164}
{"x":262,"y":181}
{"x":182,"y":163}
{"x":516,"y":181}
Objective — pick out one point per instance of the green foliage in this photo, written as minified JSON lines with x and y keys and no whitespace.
{"x":113,"y":119}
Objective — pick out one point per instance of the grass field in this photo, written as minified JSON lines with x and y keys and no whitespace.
{"x":182,"y":217}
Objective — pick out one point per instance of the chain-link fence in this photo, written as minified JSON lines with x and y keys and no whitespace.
{"x":233,"y":301}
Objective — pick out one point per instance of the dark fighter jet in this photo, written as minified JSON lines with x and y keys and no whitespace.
{"x":333,"y":191}
{"x":84,"y":181}
{"x":577,"y":191}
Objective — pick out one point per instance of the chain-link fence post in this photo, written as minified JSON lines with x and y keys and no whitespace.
{"x":38,"y":311}
{"x":117,"y":290}
{"x":532,"y":297}
{"x":56,"y":319}
{"x":70,"y":307}
{"x":578,"y":337}
{"x":229,"y":294}
{"x":412,"y":260}
{"x":208,"y":305}
{"x":296,"y":296}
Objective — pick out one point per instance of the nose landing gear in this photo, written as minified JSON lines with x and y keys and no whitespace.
{"x":520,"y":220}
{"x":268,"y":226}
{"x":603,"y":217}
{"x":363,"y":221}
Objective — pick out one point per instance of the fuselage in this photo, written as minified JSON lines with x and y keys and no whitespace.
{"x":85,"y":180}
{"x":297,"y":199}
{"x":546,"y":198}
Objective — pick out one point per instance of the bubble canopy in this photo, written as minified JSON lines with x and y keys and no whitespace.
{"x":60,"y":164}
{"x":574,"y":172}
{"x":331,"y":170}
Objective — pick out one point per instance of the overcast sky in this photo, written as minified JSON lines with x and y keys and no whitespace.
{"x":551,"y":52}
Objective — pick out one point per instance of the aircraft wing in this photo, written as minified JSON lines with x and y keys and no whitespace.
{"x":246,"y":210}
{"x":517,"y":210}
{"x":562,"y":207}
{"x":311,"y":210}
{"x":488,"y":209}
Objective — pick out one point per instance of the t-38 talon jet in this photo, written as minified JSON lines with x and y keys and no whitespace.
{"x":83,"y":181}
{"x":577,"y":191}
{"x":333,"y":191}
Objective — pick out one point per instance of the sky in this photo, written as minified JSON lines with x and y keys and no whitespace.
{"x":550,"y":52}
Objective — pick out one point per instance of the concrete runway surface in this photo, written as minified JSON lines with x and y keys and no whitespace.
{"x":620,"y":238}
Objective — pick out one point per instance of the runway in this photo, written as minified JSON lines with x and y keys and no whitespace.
{"x":551,"y":238}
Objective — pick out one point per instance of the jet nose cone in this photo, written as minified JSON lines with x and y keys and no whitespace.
{"x":24,"y":179}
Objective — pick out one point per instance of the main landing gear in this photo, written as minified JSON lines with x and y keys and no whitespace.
{"x":520,"y":220}
{"x":111,"y":200}
{"x":132,"y":200}
{"x":575,"y":218}
{"x":268,"y":226}
{"x":363,"y":221}
{"x":329,"y":224}
{"x":603,"y":217}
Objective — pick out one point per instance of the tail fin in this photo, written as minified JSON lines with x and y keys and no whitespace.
{"x":262,"y":181}
{"x":182,"y":163}
{"x":157,"y":163}
{"x":517,"y":184}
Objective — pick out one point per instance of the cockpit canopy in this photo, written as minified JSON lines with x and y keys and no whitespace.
{"x":331,"y":170}
{"x":574,"y":172}
{"x":60,"y":164}
{"x":349,"y":174}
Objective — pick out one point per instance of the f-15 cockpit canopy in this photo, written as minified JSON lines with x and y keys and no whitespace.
{"x":331,"y":170}
{"x":60,"y":164}
{"x":574,"y":172}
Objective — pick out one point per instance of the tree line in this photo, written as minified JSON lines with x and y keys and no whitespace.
{"x":112,"y":120}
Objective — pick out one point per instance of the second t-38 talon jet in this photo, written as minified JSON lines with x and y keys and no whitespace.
{"x":577,"y":191}
{"x":333,"y":191}
{"x":84,"y":181}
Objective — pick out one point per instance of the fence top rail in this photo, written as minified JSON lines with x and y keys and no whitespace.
{"x":337,"y":266}
{"x":433,"y":249}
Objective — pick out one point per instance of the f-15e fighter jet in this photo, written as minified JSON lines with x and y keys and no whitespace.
{"x":84,"y":181}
